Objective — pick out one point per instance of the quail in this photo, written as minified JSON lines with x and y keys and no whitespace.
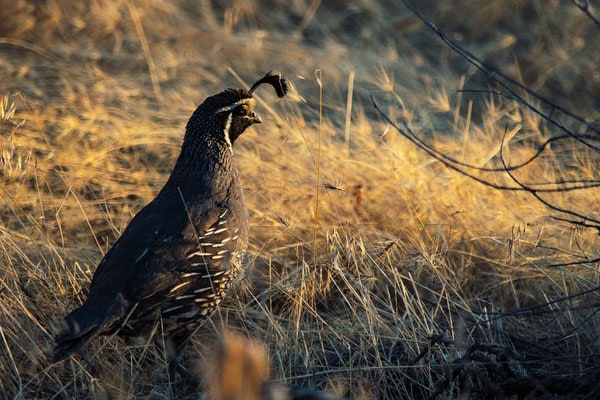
{"x":177,"y":258}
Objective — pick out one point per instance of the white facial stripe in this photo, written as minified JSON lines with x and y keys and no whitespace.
{"x":227,"y":126}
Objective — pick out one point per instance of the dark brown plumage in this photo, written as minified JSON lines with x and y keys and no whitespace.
{"x":177,"y":258}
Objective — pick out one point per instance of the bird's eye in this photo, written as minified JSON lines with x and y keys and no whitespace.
{"x":241,"y":110}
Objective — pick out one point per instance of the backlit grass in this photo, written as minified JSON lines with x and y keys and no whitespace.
{"x":359,"y":262}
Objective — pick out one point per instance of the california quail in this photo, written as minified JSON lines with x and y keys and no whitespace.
{"x":178,"y":256}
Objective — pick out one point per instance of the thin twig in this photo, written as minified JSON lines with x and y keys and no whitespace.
{"x":585,"y":7}
{"x":534,"y":193}
{"x":457,"y":165}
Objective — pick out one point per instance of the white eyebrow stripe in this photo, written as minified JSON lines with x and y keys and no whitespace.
{"x":231,"y":106}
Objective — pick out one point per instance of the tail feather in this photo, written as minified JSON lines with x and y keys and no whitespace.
{"x":82,"y":325}
{"x":67,"y":343}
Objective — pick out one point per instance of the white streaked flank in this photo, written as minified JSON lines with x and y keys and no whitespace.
{"x":171,"y":309}
{"x":141,"y":255}
{"x":186,"y":296}
{"x":182,"y":284}
{"x":198,"y":264}
{"x":199,"y":254}
{"x":216,"y":274}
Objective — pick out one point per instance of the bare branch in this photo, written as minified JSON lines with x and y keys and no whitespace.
{"x":534,"y":193}
{"x":501,"y":78}
{"x":458,"y":165}
{"x":585,"y":7}
{"x":530,"y":310}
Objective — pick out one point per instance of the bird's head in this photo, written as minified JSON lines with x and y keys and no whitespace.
{"x":232,"y":111}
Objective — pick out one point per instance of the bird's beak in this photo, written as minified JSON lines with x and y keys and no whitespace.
{"x":254,"y":118}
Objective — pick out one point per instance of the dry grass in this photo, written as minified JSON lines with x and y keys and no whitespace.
{"x":379,"y":277}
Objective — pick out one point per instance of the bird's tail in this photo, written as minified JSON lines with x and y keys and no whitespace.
{"x":82,"y":325}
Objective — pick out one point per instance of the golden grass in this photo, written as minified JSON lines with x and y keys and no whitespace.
{"x":357,"y":269}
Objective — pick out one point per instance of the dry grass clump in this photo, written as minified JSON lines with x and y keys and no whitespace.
{"x":377,"y":272}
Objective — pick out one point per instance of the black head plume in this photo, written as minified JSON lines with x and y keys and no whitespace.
{"x":274,"y":79}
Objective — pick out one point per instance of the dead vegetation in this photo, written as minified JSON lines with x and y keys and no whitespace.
{"x":377,"y":272}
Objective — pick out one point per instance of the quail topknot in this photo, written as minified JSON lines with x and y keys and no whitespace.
{"x":176,"y":260}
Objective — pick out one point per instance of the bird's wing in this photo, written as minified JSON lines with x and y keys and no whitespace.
{"x":199,"y":251}
{"x":151,"y":248}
